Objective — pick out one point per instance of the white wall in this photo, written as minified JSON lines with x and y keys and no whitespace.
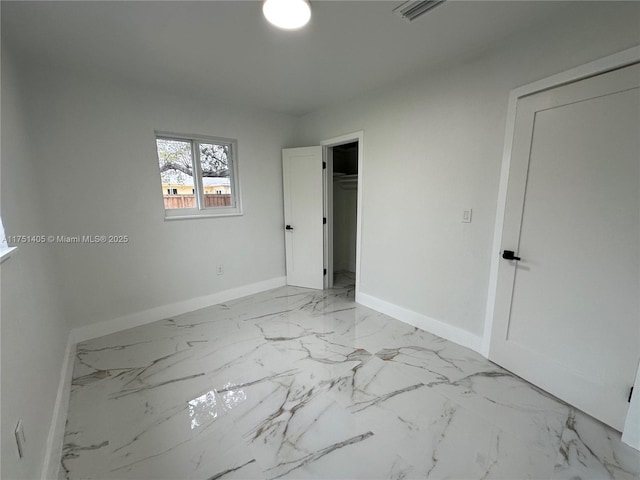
{"x":97,"y":171}
{"x":441,"y":134}
{"x":33,"y":327}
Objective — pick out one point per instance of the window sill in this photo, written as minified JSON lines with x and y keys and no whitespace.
{"x":5,"y":252}
{"x":203,"y":215}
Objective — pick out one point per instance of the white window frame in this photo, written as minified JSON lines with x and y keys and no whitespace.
{"x":5,"y":249}
{"x":200,"y":211}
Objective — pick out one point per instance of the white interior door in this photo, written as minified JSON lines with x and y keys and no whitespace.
{"x":567,"y":315}
{"x":303,"y":216}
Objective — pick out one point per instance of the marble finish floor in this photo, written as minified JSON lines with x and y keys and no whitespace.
{"x":297,"y":383}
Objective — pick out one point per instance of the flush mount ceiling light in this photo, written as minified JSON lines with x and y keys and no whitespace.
{"x":287,"y":14}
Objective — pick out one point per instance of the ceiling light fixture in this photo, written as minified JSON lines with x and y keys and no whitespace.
{"x":287,"y":14}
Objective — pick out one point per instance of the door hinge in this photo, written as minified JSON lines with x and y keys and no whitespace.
{"x":325,"y":271}
{"x":324,"y":221}
{"x":630,"y":394}
{"x":324,"y":165}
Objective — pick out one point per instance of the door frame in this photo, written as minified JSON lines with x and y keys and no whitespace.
{"x":327,"y":155}
{"x":597,"y":67}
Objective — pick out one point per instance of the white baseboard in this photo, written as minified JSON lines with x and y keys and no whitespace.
{"x":431,"y":325}
{"x":95,"y":330}
{"x":55,"y":440}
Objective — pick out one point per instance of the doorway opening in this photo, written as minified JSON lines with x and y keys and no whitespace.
{"x":309,"y":214}
{"x":342,"y":212}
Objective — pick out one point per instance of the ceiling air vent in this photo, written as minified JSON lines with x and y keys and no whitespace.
{"x":411,"y":10}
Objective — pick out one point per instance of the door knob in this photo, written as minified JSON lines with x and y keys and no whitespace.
{"x":509,"y":255}
{"x":289,"y":227}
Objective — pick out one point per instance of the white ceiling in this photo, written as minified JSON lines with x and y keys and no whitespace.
{"x":225,"y":51}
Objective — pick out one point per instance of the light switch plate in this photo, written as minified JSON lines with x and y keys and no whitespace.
{"x":466,"y":215}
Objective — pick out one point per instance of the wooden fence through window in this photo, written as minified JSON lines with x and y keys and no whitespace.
{"x":189,"y":201}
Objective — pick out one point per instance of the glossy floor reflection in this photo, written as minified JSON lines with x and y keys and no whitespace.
{"x":297,"y":383}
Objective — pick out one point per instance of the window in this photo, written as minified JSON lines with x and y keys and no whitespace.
{"x":199,"y":176}
{"x":5,"y":249}
{"x":3,"y":239}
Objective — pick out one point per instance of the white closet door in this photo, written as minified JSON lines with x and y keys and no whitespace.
{"x":303,"y":216}
{"x":567,"y":315}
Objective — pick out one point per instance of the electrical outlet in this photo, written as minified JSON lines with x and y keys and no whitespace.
{"x":219,"y":270}
{"x":20,"y":438}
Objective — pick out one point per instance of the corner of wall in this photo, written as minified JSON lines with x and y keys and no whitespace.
{"x":55,"y":440}
{"x":431,"y":325}
{"x":106,"y":327}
